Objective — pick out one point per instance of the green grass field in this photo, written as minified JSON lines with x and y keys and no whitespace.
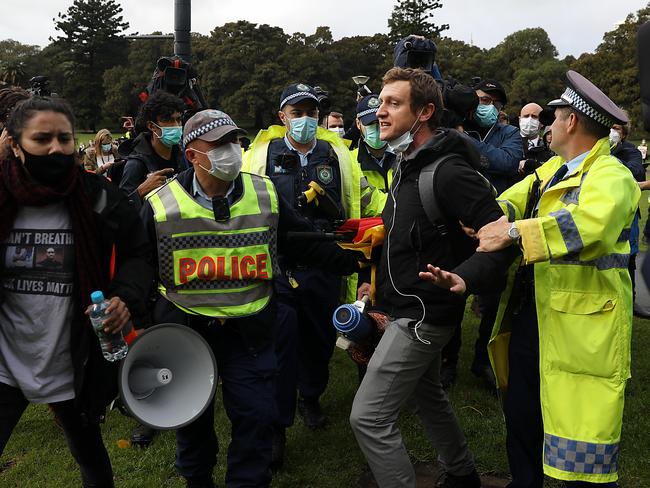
{"x":37,"y":456}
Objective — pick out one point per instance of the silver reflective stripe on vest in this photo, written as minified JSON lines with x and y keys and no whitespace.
{"x":510,"y":208}
{"x":186,"y":226}
{"x":568,"y":229}
{"x":625,"y":235}
{"x":572,"y":196}
{"x":259,"y":290}
{"x":580,"y":457}
{"x":610,"y":261}
{"x":177,"y":234}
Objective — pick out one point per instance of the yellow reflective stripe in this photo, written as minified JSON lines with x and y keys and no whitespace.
{"x":177,"y":203}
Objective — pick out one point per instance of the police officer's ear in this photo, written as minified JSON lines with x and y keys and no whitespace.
{"x":283,"y":117}
{"x":358,"y":124}
{"x":571,"y":123}
{"x":190,"y":154}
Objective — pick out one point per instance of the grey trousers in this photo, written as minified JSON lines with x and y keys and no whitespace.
{"x":401,"y":367}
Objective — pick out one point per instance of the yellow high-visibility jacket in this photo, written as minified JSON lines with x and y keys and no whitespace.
{"x":255,"y":160}
{"x":578,"y":244}
{"x":376,"y":199}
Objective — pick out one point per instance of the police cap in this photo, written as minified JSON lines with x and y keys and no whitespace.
{"x":209,"y":125}
{"x":296,"y":93}
{"x":367,"y":109}
{"x":585,"y":97}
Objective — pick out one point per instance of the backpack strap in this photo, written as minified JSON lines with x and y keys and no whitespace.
{"x":426,"y":185}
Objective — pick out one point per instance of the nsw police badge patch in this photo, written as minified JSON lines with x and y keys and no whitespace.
{"x":325,"y":174}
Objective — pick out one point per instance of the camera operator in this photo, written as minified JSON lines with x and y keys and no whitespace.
{"x":535,"y":150}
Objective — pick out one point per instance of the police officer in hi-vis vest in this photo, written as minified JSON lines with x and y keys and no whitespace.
{"x":217,"y":231}
{"x":299,"y":156}
{"x":560,"y":347}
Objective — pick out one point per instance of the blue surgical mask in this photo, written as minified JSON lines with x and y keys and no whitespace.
{"x":402,"y":143}
{"x":106,"y":148}
{"x":303,"y":129}
{"x":371,"y":136}
{"x":486,"y":115}
{"x":170,"y":135}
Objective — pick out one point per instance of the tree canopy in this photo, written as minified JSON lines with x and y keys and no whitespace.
{"x":243,"y":66}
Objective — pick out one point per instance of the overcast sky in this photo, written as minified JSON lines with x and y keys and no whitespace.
{"x":574,"y":26}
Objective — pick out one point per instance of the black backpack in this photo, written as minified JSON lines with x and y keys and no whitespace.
{"x":426,"y":185}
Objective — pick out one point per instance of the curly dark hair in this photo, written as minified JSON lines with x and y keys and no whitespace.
{"x":9,"y":97}
{"x":160,"y":106}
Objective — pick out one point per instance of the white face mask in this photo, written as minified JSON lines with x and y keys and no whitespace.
{"x":402,"y":143}
{"x":225,"y":161}
{"x":614,"y":137}
{"x":529,"y":127}
{"x":337,"y":130}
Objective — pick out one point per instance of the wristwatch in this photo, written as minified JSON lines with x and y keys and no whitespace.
{"x":513,"y":232}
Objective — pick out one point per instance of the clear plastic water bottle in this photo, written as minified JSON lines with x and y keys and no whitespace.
{"x":114,"y":347}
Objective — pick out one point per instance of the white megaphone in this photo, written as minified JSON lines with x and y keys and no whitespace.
{"x":168,"y":377}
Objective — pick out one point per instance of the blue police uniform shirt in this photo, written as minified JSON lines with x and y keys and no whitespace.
{"x":304,"y":157}
{"x":291,"y":172}
{"x":202,"y":198}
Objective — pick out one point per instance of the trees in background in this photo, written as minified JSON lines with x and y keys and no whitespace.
{"x":89,"y":44}
{"x":243,"y":66}
{"x":415,"y":17}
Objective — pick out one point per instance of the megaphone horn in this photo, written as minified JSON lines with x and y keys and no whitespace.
{"x":168,"y":377}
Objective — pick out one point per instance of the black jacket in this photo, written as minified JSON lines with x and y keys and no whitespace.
{"x":257,"y":330}
{"x":141,"y":161}
{"x":95,"y":379}
{"x":413,"y":242}
{"x":631,"y":157}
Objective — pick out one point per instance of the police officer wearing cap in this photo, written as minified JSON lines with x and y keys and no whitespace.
{"x":372,"y":155}
{"x":561,"y":343}
{"x":296,"y":156}
{"x":216,"y":230}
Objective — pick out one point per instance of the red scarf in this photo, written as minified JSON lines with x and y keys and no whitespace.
{"x":17,"y":189}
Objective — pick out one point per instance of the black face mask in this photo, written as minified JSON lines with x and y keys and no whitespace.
{"x":50,"y":169}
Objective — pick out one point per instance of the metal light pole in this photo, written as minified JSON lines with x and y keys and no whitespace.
{"x":182,"y":26}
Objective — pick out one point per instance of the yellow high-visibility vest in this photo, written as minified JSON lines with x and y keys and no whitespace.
{"x":578,"y":244}
{"x":217,"y":268}
{"x":255,"y":160}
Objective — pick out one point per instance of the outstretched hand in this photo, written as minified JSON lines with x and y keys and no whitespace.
{"x":444,"y":279}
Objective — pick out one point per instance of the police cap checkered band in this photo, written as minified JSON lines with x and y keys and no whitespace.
{"x":585,"y":97}
{"x":296,"y":93}
{"x":367,"y":109}
{"x":300,"y":95}
{"x":367,"y":112}
{"x":209,"y":125}
{"x":581,"y":105}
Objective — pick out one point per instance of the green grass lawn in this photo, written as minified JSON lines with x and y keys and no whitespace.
{"x":37,"y":456}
